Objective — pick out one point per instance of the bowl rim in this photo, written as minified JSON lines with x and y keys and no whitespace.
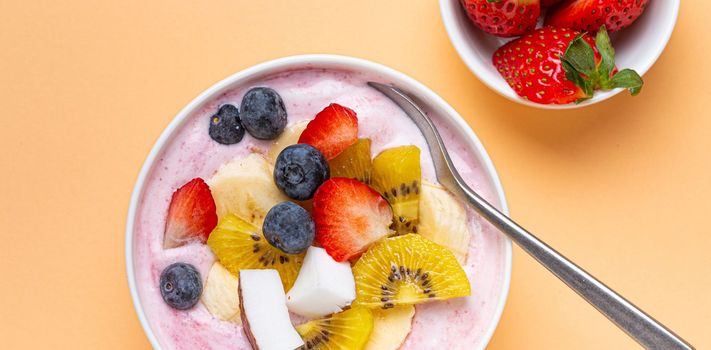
{"x":447,"y":10}
{"x":315,"y":61}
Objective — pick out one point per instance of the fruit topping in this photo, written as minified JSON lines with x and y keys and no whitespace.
{"x":264,"y":314}
{"x":560,"y":66}
{"x":300,"y":169}
{"x":354,"y":162}
{"x":289,"y":228}
{"x":240,"y":245}
{"x":349,"y":329}
{"x":390,"y":327}
{"x":245,"y":187}
{"x":191,"y":215}
{"x":289,"y":137}
{"x":180,"y":286}
{"x":349,"y":217}
{"x":443,"y":220}
{"x":263,"y":113}
{"x":505,"y":18}
{"x":397,"y":176}
{"x":332,"y":130}
{"x":225,"y":126}
{"x":324,"y":286}
{"x":220,"y":295}
{"x":589,"y":15}
{"x":407,"y":269}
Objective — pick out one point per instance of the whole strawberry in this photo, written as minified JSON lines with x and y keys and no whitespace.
{"x":561,"y":66}
{"x":505,"y":18}
{"x":589,"y":15}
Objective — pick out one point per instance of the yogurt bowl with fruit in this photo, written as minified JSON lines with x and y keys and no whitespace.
{"x":291,"y":206}
{"x":529,"y":71}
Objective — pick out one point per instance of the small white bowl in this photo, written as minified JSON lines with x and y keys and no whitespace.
{"x":431,"y":102}
{"x":637,"y":47}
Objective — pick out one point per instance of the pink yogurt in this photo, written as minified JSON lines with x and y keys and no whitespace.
{"x":455,"y":324}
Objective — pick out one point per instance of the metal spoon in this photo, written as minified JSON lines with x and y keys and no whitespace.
{"x":636,"y":323}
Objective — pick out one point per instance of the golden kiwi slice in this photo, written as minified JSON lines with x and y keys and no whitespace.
{"x":407,"y":269}
{"x":398,"y":177}
{"x":240,"y":245}
{"x":347,"y":330}
{"x":354,"y":162}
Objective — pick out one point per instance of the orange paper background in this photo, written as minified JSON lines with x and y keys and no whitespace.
{"x":86,"y":87}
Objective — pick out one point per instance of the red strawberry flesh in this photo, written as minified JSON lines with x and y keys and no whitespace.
{"x":332,"y":130}
{"x":590,"y":15}
{"x":349,"y":217}
{"x":191,"y":215}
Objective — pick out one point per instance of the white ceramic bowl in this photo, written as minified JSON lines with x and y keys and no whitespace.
{"x":637,"y":47}
{"x":431,"y":102}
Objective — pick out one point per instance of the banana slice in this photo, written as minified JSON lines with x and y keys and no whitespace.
{"x":289,"y":137}
{"x":390,"y":327}
{"x":245,"y":187}
{"x":220,"y":295}
{"x":443,"y":220}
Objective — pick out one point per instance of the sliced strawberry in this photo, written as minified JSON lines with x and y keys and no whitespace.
{"x":349,"y":217}
{"x":191,"y":215}
{"x":332,"y":130}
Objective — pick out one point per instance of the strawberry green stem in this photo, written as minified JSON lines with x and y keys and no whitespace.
{"x":580,"y":68}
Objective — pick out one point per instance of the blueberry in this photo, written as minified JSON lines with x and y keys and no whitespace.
{"x":300,"y":169}
{"x":180,"y":286}
{"x":263,"y":113}
{"x":289,"y":228}
{"x":225,"y":126}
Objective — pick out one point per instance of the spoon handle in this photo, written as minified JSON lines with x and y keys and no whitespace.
{"x":636,"y":323}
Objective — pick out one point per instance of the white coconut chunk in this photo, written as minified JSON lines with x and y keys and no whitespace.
{"x":323,"y":286}
{"x":264,"y":313}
